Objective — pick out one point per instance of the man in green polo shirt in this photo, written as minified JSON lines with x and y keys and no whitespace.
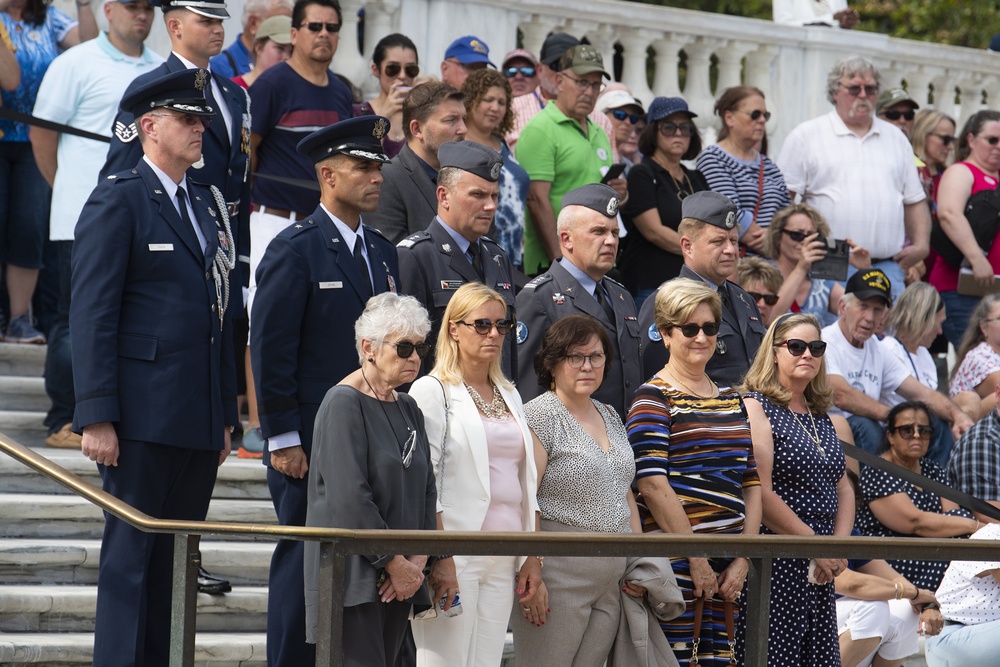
{"x":561,"y":149}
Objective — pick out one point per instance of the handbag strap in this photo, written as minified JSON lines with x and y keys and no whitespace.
{"x":444,"y":440}
{"x":727,"y":608}
{"x":760,"y":186}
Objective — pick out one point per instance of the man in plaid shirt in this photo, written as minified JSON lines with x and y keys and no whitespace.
{"x":974,"y":466}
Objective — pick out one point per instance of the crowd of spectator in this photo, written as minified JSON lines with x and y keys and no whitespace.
{"x":617,"y":328}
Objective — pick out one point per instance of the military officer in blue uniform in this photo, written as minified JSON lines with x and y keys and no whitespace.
{"x":454,"y":249}
{"x":151,"y":328}
{"x":312,"y":284}
{"x":577,"y":284}
{"x":710,"y":245}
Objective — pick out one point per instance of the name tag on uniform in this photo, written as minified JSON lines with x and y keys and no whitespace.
{"x":333,"y":284}
{"x":451,"y":284}
{"x":161,"y":247}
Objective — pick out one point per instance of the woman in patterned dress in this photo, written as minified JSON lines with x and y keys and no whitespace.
{"x":804,"y":486}
{"x":695,"y":470}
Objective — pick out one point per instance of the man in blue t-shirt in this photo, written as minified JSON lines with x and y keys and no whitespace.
{"x":237,"y":58}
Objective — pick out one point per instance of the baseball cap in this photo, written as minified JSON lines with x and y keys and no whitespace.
{"x":468,"y":50}
{"x":277,"y":29}
{"x":519,"y":53}
{"x":554,"y":46}
{"x":583,"y":59}
{"x":616,"y":99}
{"x":870,"y":283}
{"x":661,"y":107}
{"x":893,"y":96}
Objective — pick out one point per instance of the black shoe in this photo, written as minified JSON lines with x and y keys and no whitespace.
{"x":209,"y":583}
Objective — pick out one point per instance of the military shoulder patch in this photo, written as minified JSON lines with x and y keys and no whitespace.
{"x":522,"y":332}
{"x":125,"y":133}
{"x":654,"y":333}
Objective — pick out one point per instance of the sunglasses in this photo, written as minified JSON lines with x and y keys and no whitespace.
{"x":798,"y":237}
{"x":408,"y":447}
{"x":317,"y":26}
{"x":896,"y":115}
{"x":992,"y":141}
{"x":393,"y":69}
{"x":690,"y":330}
{"x":946,"y":139}
{"x":797,"y":347}
{"x":670,"y":129}
{"x":526,"y":72}
{"x":405,"y":348}
{"x":619,"y":114}
{"x":908,"y":430}
{"x":188,"y":119}
{"x":577,"y":360}
{"x":484,"y":326}
{"x":769,"y":299}
{"x":757,"y":113}
{"x":854,"y":91}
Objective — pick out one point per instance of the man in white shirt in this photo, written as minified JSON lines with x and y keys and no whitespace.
{"x":829,"y":13}
{"x":859,"y":369}
{"x":858,"y":172}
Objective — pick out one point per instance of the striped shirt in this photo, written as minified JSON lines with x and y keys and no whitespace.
{"x":740,"y":181}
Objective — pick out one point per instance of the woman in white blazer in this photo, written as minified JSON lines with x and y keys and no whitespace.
{"x":482,"y":455}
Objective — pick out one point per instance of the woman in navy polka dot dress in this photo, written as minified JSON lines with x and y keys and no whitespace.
{"x":804,"y":486}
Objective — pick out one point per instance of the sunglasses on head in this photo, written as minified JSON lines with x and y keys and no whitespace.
{"x":317,"y":26}
{"x":798,"y":237}
{"x":405,"y":348}
{"x":769,"y":299}
{"x":908,"y":430}
{"x":670,"y":129}
{"x":484,"y":326}
{"x":797,"y":347}
{"x":393,"y":69}
{"x":946,"y":139}
{"x":621,"y":114}
{"x":854,"y":91}
{"x":992,"y":141}
{"x":690,"y":330}
{"x":526,"y":72}
{"x":896,"y":115}
{"x":757,"y":113}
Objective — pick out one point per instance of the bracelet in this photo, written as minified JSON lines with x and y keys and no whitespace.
{"x":899,"y":590}
{"x":916,"y":592}
{"x":541,"y":561}
{"x":931,"y":605}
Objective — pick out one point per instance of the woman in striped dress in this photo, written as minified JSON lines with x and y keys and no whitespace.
{"x":695,"y":470}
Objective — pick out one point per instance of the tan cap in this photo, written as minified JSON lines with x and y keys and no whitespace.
{"x":277,"y":29}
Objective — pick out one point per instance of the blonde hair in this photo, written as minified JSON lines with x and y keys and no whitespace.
{"x":677,"y":299}
{"x":923,"y":126}
{"x":763,"y":373}
{"x":913,"y":314}
{"x":448,"y":361}
{"x":772,"y":237}
{"x":758,"y":270}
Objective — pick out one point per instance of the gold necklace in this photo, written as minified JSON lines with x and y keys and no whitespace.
{"x":495,"y":409}
{"x":814,"y":436}
{"x":689,"y":389}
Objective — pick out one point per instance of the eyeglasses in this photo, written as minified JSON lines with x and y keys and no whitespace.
{"x":854,"y":91}
{"x":577,"y":360}
{"x":769,"y":299}
{"x":946,"y":139}
{"x":670,"y":129}
{"x":797,"y":347}
{"x":484,"y":326}
{"x":757,"y":113}
{"x":992,"y":141}
{"x":408,"y":447}
{"x":690,"y":330}
{"x":393,"y":69}
{"x":896,"y":115}
{"x":798,"y":237}
{"x":188,"y":119}
{"x":405,"y":348}
{"x":526,"y":72}
{"x":619,"y":114}
{"x":583,"y":86}
{"x":317,"y":26}
{"x":908,"y":430}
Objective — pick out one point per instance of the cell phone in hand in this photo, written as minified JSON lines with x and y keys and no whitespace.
{"x":614,"y":171}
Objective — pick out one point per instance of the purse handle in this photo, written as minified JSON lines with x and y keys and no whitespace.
{"x":727,"y":607}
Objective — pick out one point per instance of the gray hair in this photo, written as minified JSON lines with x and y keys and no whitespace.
{"x":390,"y":313}
{"x":262,"y":7}
{"x":850,"y":67}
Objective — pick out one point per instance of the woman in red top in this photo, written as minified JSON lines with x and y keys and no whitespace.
{"x":976,"y":169}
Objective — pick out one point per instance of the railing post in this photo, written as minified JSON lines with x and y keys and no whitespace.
{"x":758,"y":611}
{"x":184,"y":600}
{"x":330,"y":614}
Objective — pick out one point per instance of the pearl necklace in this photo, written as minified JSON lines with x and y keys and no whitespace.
{"x":495,"y":409}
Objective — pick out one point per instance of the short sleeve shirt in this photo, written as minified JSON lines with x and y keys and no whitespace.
{"x":921,"y":365}
{"x":965,"y":596}
{"x":869,"y":369}
{"x":981,"y":362}
{"x":974,"y":465}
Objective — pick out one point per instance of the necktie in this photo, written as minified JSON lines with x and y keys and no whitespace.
{"x":183,"y":210}
{"x":477,"y":260}
{"x":359,"y":261}
{"x":726,"y":302}
{"x":602,"y":298}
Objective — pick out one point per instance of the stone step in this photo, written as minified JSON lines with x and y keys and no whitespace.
{"x":23,"y":420}
{"x":27,"y":608}
{"x":73,"y":649}
{"x":65,"y":516}
{"x":23,"y":393}
{"x":237,"y":478}
{"x":24,"y":360}
{"x":54,"y":561}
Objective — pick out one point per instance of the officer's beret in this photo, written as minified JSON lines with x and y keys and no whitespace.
{"x":710,"y":207}
{"x":596,"y":196}
{"x":182,"y":91}
{"x":469,"y":156}
{"x":359,"y":137}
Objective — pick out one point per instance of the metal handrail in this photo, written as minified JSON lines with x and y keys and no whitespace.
{"x":337,"y":543}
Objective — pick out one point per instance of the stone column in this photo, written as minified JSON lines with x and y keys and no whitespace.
{"x":918,"y":86}
{"x":634,"y":44}
{"x":348,"y":59}
{"x":379,"y":19}
{"x":665,"y":81}
{"x":698,"y":91}
{"x":603,"y":39}
{"x":534,"y":30}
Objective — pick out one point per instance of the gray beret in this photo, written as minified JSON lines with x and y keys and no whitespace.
{"x":710,"y":207}
{"x":596,"y":196}
{"x":469,"y":156}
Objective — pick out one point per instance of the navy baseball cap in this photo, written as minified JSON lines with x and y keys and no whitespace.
{"x":661,"y":107}
{"x":213,"y":9}
{"x":595,"y":196}
{"x":469,"y":156}
{"x":468,"y":50}
{"x":182,"y":91}
{"x":359,"y":137}
{"x":554,"y":46}
{"x":870,"y":283}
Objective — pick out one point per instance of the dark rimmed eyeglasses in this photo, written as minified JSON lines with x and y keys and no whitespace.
{"x":393,"y":69}
{"x":769,"y":299}
{"x":757,"y":113}
{"x":670,"y":129}
{"x":596,"y":360}
{"x":798,"y":237}
{"x":908,"y":430}
{"x":621,"y":114}
{"x":484,"y":326}
{"x":854,"y":91}
{"x":405,"y":348}
{"x":946,"y":139}
{"x":797,"y":347}
{"x":892,"y":114}
{"x":526,"y":72}
{"x":690,"y":330}
{"x":317,"y":26}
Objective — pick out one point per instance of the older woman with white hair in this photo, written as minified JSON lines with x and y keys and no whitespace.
{"x":371,"y":469}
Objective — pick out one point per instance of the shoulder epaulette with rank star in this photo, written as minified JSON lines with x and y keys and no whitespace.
{"x":539,"y":280}
{"x":125,"y":133}
{"x":413,"y":239}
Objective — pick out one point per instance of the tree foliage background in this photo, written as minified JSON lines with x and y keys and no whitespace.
{"x":958,"y":22}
